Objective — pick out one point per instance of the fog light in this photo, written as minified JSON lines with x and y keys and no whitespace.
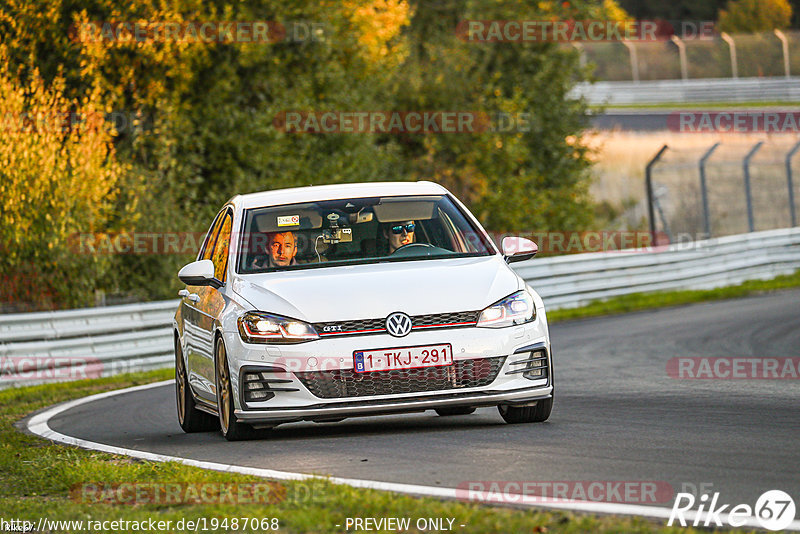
{"x":260,"y":385}
{"x":538,"y":367}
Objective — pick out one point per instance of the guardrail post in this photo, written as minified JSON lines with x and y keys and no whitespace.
{"x":664,"y":221}
{"x":789,"y":157}
{"x":581,"y":53}
{"x":785,"y":45}
{"x":704,"y":189}
{"x":732,"y":45}
{"x":648,"y":179}
{"x":634,"y":60}
{"x":682,"y":56}
{"x":748,"y":195}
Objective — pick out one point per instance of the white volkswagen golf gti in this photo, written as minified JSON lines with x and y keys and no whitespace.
{"x":321,"y":303}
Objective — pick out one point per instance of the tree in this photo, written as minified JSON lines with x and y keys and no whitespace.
{"x":753,"y":16}
{"x":675,"y":11}
{"x":58,"y":178}
{"x":211,"y":108}
{"x":531,"y":176}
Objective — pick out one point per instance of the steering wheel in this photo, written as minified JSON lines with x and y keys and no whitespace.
{"x":409,"y":246}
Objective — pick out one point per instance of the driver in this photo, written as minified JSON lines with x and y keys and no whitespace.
{"x":281,"y":250}
{"x":399,"y":234}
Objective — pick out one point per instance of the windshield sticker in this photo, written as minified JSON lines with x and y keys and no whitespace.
{"x":289,"y":220}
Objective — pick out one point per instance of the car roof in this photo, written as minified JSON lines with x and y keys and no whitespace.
{"x":313,"y":193}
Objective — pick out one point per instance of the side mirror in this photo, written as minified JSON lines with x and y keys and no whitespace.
{"x":199,"y":273}
{"x":518,"y":249}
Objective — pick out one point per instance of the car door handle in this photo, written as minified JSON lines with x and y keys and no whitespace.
{"x":194,"y":297}
{"x":183,"y":293}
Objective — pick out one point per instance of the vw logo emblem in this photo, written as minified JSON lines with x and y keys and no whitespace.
{"x":398,"y":324}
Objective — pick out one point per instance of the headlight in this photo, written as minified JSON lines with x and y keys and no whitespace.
{"x":260,"y":327}
{"x":515,"y":309}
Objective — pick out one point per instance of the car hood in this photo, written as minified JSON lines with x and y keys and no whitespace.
{"x":376,"y":290}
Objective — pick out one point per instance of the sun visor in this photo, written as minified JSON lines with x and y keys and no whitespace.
{"x":287,"y":221}
{"x":404,"y":210}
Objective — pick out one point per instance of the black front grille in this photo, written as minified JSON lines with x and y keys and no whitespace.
{"x":342,"y":383}
{"x":378,"y":326}
{"x":357,"y":326}
{"x":445,"y":319}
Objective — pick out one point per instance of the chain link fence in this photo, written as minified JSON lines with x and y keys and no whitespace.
{"x":721,"y":56}
{"x":724,"y":189}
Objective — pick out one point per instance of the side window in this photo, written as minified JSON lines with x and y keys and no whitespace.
{"x":208,"y":244}
{"x":220,"y":255}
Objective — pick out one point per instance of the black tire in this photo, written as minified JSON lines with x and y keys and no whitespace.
{"x":189,"y":417}
{"x":232,"y":429}
{"x":527,"y":414}
{"x":457,"y":410}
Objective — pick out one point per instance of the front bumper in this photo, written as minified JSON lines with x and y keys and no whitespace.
{"x":361,"y":408}
{"x":295,"y":402}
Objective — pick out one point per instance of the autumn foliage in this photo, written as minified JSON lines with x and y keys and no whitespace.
{"x":58,"y":175}
{"x":201,"y":124}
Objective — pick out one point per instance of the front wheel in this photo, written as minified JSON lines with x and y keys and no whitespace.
{"x":231,"y":428}
{"x":527,"y":414}
{"x":189,"y":417}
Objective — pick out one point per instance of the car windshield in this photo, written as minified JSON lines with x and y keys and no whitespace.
{"x":356,"y":230}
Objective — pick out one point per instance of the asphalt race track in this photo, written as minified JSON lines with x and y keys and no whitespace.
{"x":618,"y":416}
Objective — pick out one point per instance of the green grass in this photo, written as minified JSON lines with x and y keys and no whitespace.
{"x":37,"y":476}
{"x":663,"y":299}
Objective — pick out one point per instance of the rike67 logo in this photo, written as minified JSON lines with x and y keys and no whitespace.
{"x":774,"y":510}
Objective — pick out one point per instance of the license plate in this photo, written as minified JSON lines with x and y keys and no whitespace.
{"x":403,"y":358}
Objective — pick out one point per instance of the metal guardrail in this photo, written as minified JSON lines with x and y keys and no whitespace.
{"x":136,"y":337}
{"x":576,"y":280}
{"x":92,"y":342}
{"x":693,"y":90}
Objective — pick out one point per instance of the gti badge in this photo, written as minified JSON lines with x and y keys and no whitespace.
{"x":398,"y":324}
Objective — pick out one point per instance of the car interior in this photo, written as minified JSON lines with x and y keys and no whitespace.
{"x":356,"y":229}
